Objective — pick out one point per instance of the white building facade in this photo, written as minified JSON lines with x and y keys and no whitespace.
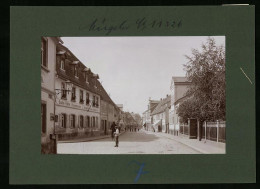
{"x":179,"y":87}
{"x":48,"y":64}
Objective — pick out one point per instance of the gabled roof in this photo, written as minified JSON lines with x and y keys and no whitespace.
{"x":163,"y":104}
{"x":94,"y":85}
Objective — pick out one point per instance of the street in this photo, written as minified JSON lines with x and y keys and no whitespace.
{"x":140,"y":142}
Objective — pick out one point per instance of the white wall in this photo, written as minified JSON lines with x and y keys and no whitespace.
{"x":47,"y":87}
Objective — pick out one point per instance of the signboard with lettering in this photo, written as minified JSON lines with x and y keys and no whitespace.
{"x":78,"y":106}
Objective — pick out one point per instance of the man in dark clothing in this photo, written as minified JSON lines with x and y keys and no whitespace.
{"x":113,"y":129}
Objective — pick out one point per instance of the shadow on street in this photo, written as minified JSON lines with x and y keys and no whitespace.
{"x":133,"y":137}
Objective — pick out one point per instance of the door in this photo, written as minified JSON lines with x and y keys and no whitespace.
{"x":193,"y":129}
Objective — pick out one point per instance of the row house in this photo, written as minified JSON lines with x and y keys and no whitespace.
{"x":48,"y":60}
{"x":109,"y":112}
{"x":77,"y":104}
{"x":129,"y":121}
{"x":146,"y":117}
{"x":179,"y":87}
{"x":160,"y":115}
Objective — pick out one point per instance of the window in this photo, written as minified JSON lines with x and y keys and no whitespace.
{"x":72,"y":121}
{"x":97,"y":122}
{"x":87,"y":98}
{"x":63,"y":93}
{"x":97,"y":101}
{"x":93,"y":102}
{"x":86,"y":78}
{"x":63,"y":120}
{"x":94,"y":124}
{"x":76,"y":71}
{"x":81,"y":121}
{"x":73,"y":94}
{"x":81,"y":96}
{"x":88,"y":122}
{"x":62,"y":65}
{"x":44,"y":53}
{"x":43,"y":117}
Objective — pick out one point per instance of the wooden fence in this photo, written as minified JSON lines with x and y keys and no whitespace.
{"x":184,"y":129}
{"x":215,"y":131}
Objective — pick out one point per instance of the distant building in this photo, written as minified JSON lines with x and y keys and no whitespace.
{"x":160,"y":115}
{"x":147,"y":118}
{"x":179,"y":87}
{"x":129,"y":121}
{"x":120,"y":106}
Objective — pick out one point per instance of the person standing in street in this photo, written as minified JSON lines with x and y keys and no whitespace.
{"x":113,"y":129}
{"x":117,"y":136}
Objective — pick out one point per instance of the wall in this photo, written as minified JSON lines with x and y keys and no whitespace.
{"x":47,"y":87}
{"x":70,"y":107}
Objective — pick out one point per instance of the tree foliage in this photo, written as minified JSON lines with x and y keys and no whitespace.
{"x":206,"y":70}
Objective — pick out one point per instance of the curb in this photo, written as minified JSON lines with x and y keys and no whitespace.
{"x":197,"y":149}
{"x":86,"y":139}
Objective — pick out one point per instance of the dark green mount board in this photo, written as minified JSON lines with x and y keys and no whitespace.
{"x":28,"y":166}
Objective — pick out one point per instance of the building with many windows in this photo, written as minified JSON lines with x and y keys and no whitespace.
{"x":82,"y":105}
{"x":160,"y":115}
{"x":146,"y":117}
{"x":78,"y":95}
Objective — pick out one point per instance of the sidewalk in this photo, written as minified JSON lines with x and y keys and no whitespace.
{"x":86,"y":139}
{"x":205,"y":147}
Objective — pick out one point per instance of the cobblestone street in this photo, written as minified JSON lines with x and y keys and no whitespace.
{"x":129,"y":143}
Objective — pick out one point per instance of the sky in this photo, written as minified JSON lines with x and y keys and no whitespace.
{"x":132,"y":69}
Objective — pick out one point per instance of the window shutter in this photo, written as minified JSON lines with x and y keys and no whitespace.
{"x":79,"y":121}
{"x":59,"y":119}
{"x":69,"y":122}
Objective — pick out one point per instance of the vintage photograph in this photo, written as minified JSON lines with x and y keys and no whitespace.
{"x":133,"y":95}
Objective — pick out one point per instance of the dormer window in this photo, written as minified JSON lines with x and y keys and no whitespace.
{"x":75,"y":68}
{"x":95,"y":77}
{"x":76,"y":74}
{"x":86,"y":76}
{"x":62,"y":65}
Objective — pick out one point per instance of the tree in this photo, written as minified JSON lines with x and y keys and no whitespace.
{"x":206,"y":71}
{"x":137,"y":118}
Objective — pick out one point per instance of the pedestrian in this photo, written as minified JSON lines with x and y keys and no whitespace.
{"x":117,"y":136}
{"x":113,"y":129}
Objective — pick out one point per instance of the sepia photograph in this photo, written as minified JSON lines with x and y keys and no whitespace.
{"x":133,"y":95}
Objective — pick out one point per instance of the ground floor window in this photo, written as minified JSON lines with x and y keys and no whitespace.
{"x":72,"y":120}
{"x":81,"y":121}
{"x":63,"y":120}
{"x":87,"y":121}
{"x":93,"y":122}
{"x":96,"y":122}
